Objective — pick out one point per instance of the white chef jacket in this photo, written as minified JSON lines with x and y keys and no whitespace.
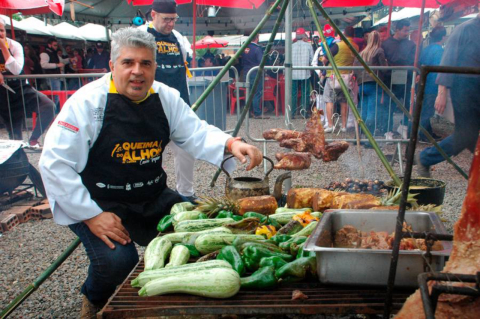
{"x":76,"y":128}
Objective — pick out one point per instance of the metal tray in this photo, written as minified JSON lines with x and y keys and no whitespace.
{"x":354,"y":266}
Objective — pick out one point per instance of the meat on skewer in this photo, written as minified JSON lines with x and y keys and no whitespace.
{"x":297,"y":144}
{"x":465,"y":257}
{"x":294,"y":161}
{"x":270,"y":134}
{"x":287,"y":134}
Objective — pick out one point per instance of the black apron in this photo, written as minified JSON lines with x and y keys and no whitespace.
{"x":124,"y":173}
{"x":171,"y":69}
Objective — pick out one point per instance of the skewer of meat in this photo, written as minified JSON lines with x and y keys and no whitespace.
{"x":465,"y":257}
{"x":294,"y":161}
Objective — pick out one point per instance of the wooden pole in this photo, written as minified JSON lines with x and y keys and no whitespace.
{"x":11,"y":26}
{"x":194,"y":62}
{"x":389,"y":25}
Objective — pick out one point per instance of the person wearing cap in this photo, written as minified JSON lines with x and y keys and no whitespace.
{"x":100,"y":59}
{"x":172,"y":70}
{"x":26,"y":99}
{"x":102,"y":161}
{"x":302,"y":54}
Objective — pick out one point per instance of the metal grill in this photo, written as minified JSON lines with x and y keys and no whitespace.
{"x":125,"y":302}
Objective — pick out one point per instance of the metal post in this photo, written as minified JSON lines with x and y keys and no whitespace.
{"x":352,"y":106}
{"x":288,"y":75}
{"x":258,"y":77}
{"x":194,"y":62}
{"x":217,"y":79}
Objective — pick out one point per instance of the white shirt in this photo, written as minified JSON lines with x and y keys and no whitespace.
{"x":76,"y":128}
{"x":15,"y":62}
{"x":45,"y":61}
{"x":302,"y":54}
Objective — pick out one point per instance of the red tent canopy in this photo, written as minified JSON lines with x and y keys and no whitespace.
{"x":241,"y":4}
{"x":349,"y":3}
{"x":210,"y":42}
{"x":8,"y":7}
{"x":415,"y":3}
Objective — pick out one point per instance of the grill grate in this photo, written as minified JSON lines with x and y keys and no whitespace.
{"x":125,"y":303}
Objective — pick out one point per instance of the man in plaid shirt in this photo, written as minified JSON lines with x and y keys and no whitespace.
{"x":302,"y":54}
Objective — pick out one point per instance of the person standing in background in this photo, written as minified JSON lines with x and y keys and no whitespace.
{"x":51,"y":65}
{"x":302,"y":55}
{"x":100,"y":59}
{"x":431,"y":55}
{"x":462,"y":50}
{"x":172,"y":70}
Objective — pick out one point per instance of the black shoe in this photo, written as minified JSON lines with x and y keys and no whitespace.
{"x":192,"y":199}
{"x":422,"y":170}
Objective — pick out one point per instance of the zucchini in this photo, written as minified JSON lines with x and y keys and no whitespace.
{"x":180,"y":237}
{"x":285,"y":217}
{"x":149,"y":275}
{"x":208,"y":243}
{"x":307,"y":230}
{"x":156,"y":253}
{"x":201,"y":224}
{"x":292,"y":227}
{"x":187,"y":215}
{"x":181,"y":207}
{"x":291,"y":210}
{"x":212,"y":283}
{"x":179,"y":256}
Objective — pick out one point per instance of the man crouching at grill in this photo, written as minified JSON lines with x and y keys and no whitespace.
{"x":102,"y":161}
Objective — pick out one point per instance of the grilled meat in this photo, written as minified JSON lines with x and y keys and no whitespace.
{"x":334,"y":150}
{"x":270,"y":134}
{"x":287,"y":134}
{"x":294,"y":161}
{"x":297,"y":144}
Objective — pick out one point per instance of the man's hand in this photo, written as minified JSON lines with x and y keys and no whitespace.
{"x":108,"y":226}
{"x":3,"y":44}
{"x":441,"y":100}
{"x":240,"y":149}
{"x":60,"y":65}
{"x":1,"y":79}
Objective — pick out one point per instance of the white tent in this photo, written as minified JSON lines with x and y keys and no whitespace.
{"x":7,"y":21}
{"x":66,"y":31}
{"x":94,"y":32}
{"x":403,"y":14}
{"x":33,"y":25}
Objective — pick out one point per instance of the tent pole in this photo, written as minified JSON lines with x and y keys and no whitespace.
{"x":11,"y":26}
{"x":350,"y":103}
{"x":194,"y":61}
{"x":417,"y":53}
{"x":389,"y":25}
{"x":385,"y":88}
{"x":259,"y":76}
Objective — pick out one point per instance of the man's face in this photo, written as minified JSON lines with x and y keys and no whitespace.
{"x":133,"y":72}
{"x":68,"y":49}
{"x":402,"y":33}
{"x":164,"y":22}
{"x":208,"y":63}
{"x":3,"y":31}
{"x":54,"y":45}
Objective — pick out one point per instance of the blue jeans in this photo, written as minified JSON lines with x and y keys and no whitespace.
{"x":370,"y":98}
{"x":303,"y":85}
{"x":257,"y":98}
{"x":108,"y":267}
{"x":428,"y":111}
{"x":56,"y":85}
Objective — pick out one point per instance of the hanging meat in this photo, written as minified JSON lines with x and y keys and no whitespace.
{"x":294,"y":161}
{"x":312,"y":140}
{"x":465,"y":258}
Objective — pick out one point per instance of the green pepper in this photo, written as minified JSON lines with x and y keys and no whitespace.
{"x":202,"y":216}
{"x":192,"y":249}
{"x":231,"y":255}
{"x":279,"y":238}
{"x":303,"y":253}
{"x":298,"y":268}
{"x":255,"y":254}
{"x":165,"y":223}
{"x":237,"y":218}
{"x":224,"y":214}
{"x":261,"y":279}
{"x":264,"y":244}
{"x":294,"y":240}
{"x":274,"y":261}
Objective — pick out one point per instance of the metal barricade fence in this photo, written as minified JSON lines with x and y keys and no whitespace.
{"x":213,"y":110}
{"x":398,"y":79}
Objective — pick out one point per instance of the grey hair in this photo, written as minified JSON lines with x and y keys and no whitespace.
{"x":2,"y":21}
{"x":134,"y":38}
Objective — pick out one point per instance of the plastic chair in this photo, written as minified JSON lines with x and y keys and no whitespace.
{"x":269,"y":92}
{"x":233,"y":97}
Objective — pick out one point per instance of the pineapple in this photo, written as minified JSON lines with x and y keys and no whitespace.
{"x":212,"y":205}
{"x":393,"y":198}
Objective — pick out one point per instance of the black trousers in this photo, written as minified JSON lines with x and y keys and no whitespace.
{"x":15,"y":107}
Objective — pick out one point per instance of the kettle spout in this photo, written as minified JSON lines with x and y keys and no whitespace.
{"x":277,"y":190}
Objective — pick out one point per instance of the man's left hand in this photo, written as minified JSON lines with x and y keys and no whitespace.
{"x":240,"y":149}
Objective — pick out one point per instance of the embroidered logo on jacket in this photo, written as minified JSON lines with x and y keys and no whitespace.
{"x":138,"y":152}
{"x":68,"y":126}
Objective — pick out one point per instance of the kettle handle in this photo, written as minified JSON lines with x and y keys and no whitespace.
{"x":229,"y":157}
